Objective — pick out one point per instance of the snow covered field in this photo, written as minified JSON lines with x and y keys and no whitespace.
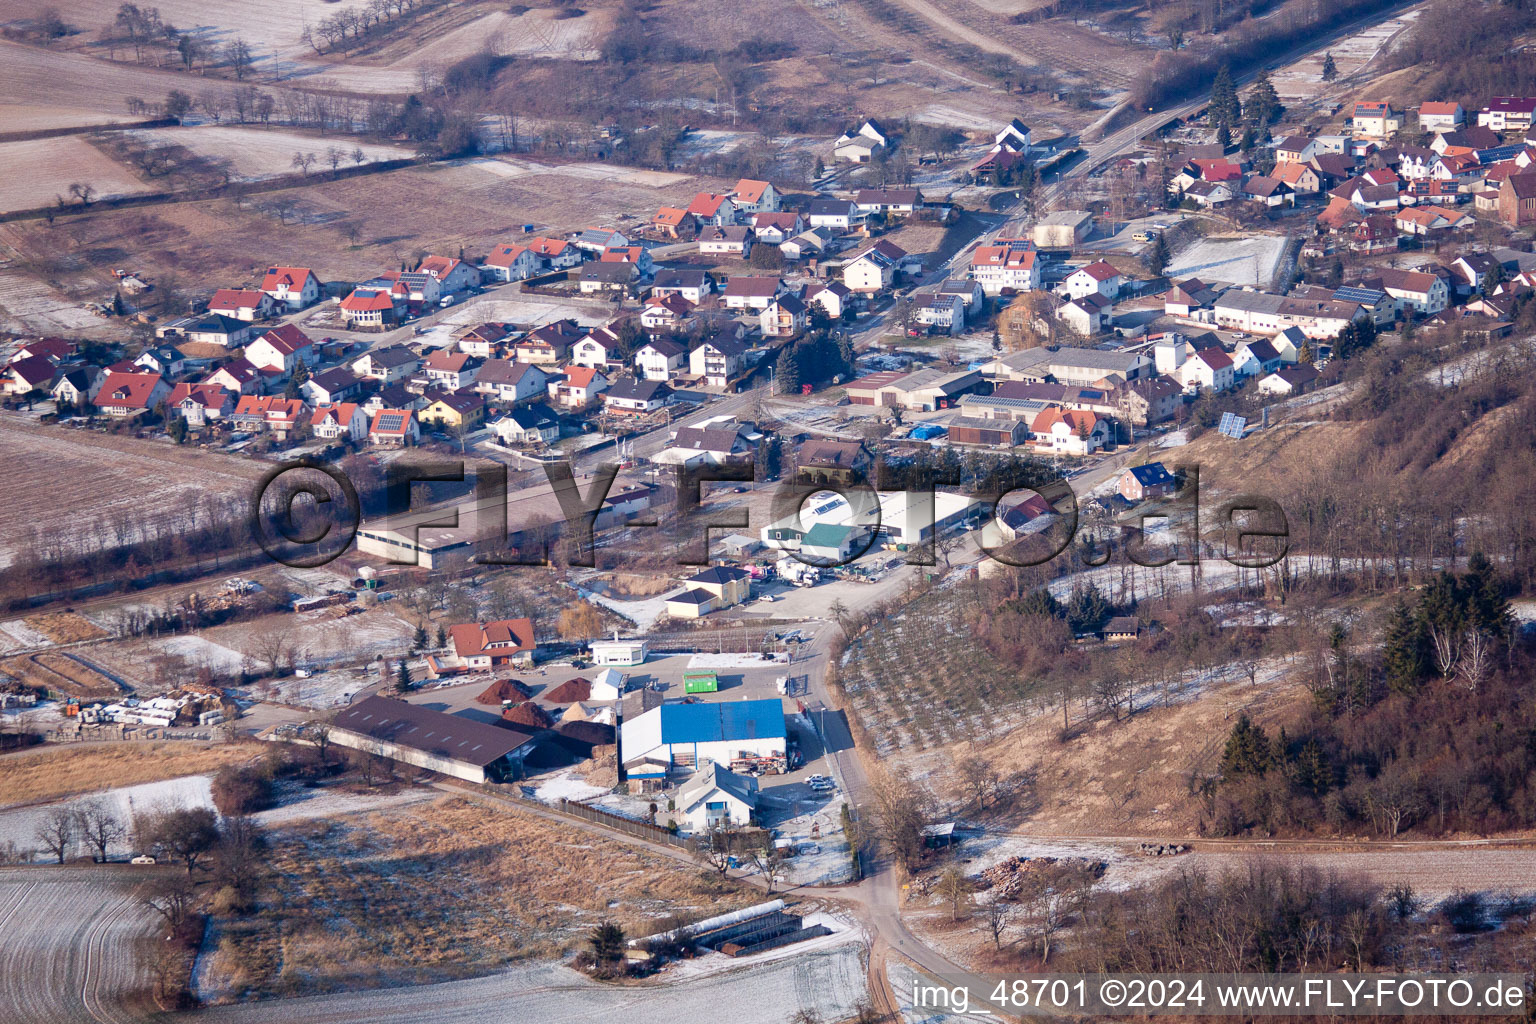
{"x":1240,"y":261}
{"x":18,"y":826}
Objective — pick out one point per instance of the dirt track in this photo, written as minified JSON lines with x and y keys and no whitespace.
{"x":66,"y":939}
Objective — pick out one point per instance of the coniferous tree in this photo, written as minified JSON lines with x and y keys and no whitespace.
{"x":403,"y":678}
{"x":1330,"y":69}
{"x":1314,"y":773}
{"x":786,"y":372}
{"x":419,"y":640}
{"x":1405,"y":650}
{"x":442,"y":636}
{"x":1248,"y":751}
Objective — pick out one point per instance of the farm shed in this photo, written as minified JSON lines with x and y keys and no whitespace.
{"x":460,"y":747}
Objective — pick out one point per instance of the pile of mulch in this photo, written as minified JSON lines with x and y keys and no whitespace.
{"x":570,"y":691}
{"x":528,"y":715}
{"x":504,"y":689}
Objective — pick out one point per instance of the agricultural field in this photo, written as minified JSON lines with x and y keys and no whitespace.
{"x":37,"y":169}
{"x":259,"y":153}
{"x":450,"y":889}
{"x":96,"y":479}
{"x":53,"y":773}
{"x":79,"y":965}
{"x":48,"y":88}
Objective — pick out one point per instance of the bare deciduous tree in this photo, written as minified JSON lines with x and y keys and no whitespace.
{"x":100,"y":827}
{"x":56,"y":831}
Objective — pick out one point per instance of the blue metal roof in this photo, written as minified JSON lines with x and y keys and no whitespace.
{"x":726,"y":720}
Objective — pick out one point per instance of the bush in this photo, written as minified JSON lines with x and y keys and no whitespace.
{"x":242,"y":790}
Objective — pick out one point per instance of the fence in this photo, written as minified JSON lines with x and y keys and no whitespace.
{"x":655,"y":833}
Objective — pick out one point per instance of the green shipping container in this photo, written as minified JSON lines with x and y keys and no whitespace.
{"x":700,"y":682}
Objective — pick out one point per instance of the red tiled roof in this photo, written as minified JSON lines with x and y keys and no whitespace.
{"x":510,"y":635}
{"x":127,"y":390}
{"x":291,"y":277}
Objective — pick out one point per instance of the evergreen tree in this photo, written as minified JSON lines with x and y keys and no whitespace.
{"x":607,"y":942}
{"x":786,"y":372}
{"x":1040,"y":602}
{"x":1226,"y":110}
{"x":1157,"y":260}
{"x":1223,"y":136}
{"x":296,"y":380}
{"x":1247,"y":752}
{"x":1314,"y":773}
{"x":403,"y":678}
{"x":1264,"y":106}
{"x":1330,"y":69}
{"x":419,"y":641}
{"x":1087,"y":609}
{"x":773,"y":457}
{"x":1405,"y":650}
{"x":442,"y":637}
{"x":1487,"y":606}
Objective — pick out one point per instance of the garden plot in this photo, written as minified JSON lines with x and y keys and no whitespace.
{"x":28,"y":306}
{"x":1250,"y":261}
{"x":257,"y":153}
{"x":39,"y":171}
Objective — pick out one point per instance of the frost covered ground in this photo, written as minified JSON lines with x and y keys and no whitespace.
{"x":1239,"y":261}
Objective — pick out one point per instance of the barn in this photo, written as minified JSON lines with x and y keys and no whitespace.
{"x":460,"y":747}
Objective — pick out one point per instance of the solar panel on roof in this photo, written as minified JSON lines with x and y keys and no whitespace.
{"x":391,"y":421}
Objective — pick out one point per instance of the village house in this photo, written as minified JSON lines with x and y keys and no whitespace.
{"x":600,"y":347}
{"x":28,"y":374}
{"x":293,"y":287}
{"x":451,"y":370}
{"x":612,"y":278}
{"x":1063,"y":229}
{"x":345,"y":421}
{"x":511,"y":383}
{"x":659,"y":359}
{"x":580,"y":387}
{"x":239,"y":376}
{"x":888,"y":201}
{"x":1271,"y":193}
{"x":479,"y":647}
{"x":200,"y":404}
{"x":715,"y":589}
{"x":1296,"y":149}
{"x":1437,"y":116}
{"x":1289,"y":380}
{"x":785,"y":317}
{"x":337,"y":384}
{"x":282,"y":416}
{"x":243,"y":303}
{"x":832,"y":296}
{"x":208,"y":329}
{"x":630,"y":397}
{"x":1009,"y":266}
{"x":826,"y":461}
{"x":751,"y":196}
{"x":1184,"y":297}
{"x":1147,"y":402}
{"x":597,"y":239}
{"x":712,"y":210}
{"x":455,"y":411}
{"x":1097,"y":278}
{"x":531,"y":424}
{"x":751,"y":292}
{"x":944,"y":314}
{"x":482,"y":340}
{"x":1508,"y":113}
{"x":639,"y":255}
{"x":1209,"y":369}
{"x":720,"y":360}
{"x":713,"y":443}
{"x":282,"y":348}
{"x":667,"y":313}
{"x":373,"y":308}
{"x":675,"y":223}
{"x":1262,"y":313}
{"x":1086,"y":315}
{"x":1208,"y":193}
{"x":714,"y":798}
{"x":859,"y":145}
{"x":1070,"y":431}
{"x":686,"y":282}
{"x":874,"y":269}
{"x":76,"y":383}
{"x":1138,"y":483}
{"x":510,"y":262}
{"x":387,"y":365}
{"x":775,"y":228}
{"x":806,"y":244}
{"x":1301,"y":178}
{"x":167,"y":360}
{"x":1255,"y":357}
{"x":1375,"y":119}
{"x":129,"y":394}
{"x":555,"y":253}
{"x":1424,"y":294}
{"x":394,"y":428}
{"x":551,"y":344}
{"x":731,"y":240}
{"x":833,"y":213}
